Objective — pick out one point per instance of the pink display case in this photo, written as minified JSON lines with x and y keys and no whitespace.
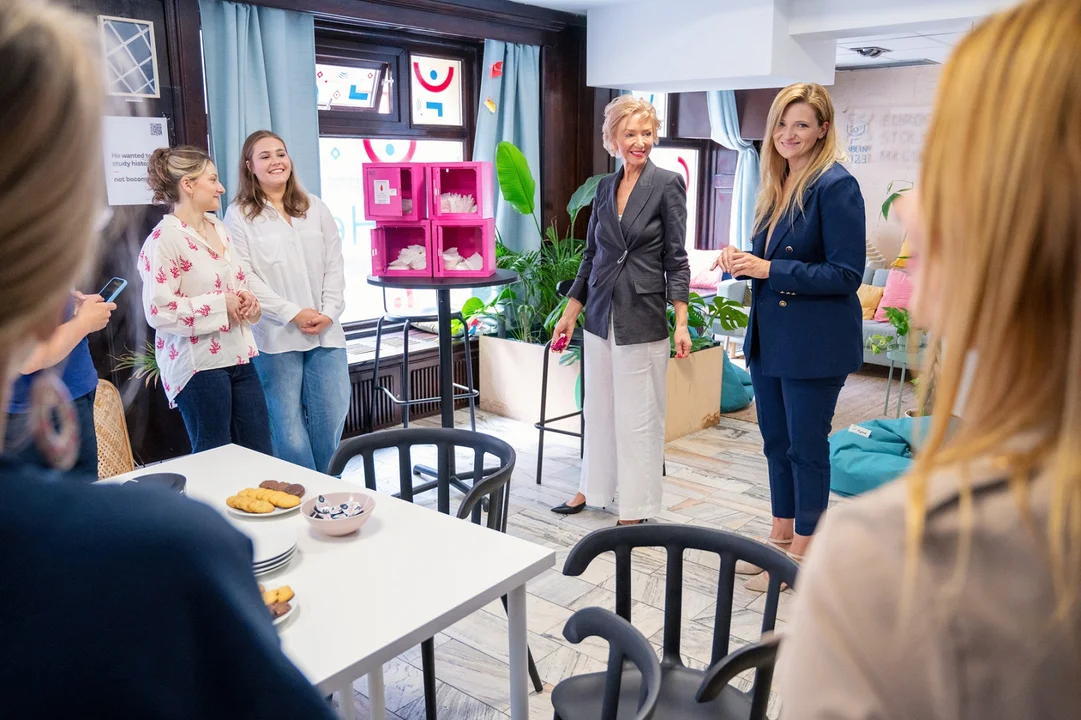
{"x":390,"y":239}
{"x":464,"y":178}
{"x":395,"y":191}
{"x":468,"y":237}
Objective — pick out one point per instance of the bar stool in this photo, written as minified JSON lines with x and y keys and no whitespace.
{"x":578,"y":340}
{"x":405,"y":402}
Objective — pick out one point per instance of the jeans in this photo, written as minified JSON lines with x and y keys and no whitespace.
{"x":19,"y":443}
{"x":223,"y":406}
{"x":795,"y":417}
{"x":308,"y":398}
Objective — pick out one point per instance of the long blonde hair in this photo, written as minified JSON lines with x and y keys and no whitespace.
{"x":773,"y":203}
{"x":1002,"y":217}
{"x":51,"y":176}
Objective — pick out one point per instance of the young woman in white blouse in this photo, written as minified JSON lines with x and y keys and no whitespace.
{"x":196,"y":296}
{"x":289,"y":240}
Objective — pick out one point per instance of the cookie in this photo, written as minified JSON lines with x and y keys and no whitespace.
{"x":278,"y":609}
{"x":274,"y":485}
{"x":278,"y":595}
{"x":249,"y":504}
{"x":294,"y":489}
{"x":274,"y":497}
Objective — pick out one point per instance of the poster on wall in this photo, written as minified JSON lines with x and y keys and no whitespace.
{"x":886,"y":135}
{"x":128,"y":143}
{"x":131,"y":62}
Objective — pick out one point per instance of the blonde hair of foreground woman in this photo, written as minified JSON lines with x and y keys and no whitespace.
{"x":50,"y":168}
{"x":773,"y":202}
{"x":1000,"y":267}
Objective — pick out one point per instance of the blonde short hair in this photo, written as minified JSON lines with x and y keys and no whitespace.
{"x":51,"y":99}
{"x":620,"y":110}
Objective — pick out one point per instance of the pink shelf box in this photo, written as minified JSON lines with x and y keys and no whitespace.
{"x":395,"y":192}
{"x":390,"y":240}
{"x":468,"y":179}
{"x":466,"y":238}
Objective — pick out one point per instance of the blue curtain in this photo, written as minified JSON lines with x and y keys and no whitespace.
{"x":515,"y":96}
{"x":724,"y":129}
{"x":260,"y":75}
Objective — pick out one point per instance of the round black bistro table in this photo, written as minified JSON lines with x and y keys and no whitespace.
{"x":442,"y":287}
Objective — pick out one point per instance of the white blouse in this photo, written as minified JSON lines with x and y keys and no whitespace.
{"x":293,"y":266}
{"x":184,"y":286}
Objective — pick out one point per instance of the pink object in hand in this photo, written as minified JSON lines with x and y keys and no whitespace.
{"x":560,"y":344}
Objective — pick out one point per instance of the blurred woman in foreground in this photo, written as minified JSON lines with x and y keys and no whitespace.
{"x":954,"y":592}
{"x":124,"y":601}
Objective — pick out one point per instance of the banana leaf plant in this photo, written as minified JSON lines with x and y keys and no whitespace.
{"x":701,"y":316}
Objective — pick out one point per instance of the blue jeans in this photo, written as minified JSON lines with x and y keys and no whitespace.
{"x":224,"y":406}
{"x":308,"y":398}
{"x":19,"y":442}
{"x":795,"y":417}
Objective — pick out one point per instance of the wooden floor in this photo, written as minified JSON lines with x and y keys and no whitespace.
{"x":716,"y":478}
{"x":861,"y":398}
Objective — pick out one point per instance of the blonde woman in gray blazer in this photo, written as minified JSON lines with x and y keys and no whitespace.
{"x":634,"y":263}
{"x":955,"y":592}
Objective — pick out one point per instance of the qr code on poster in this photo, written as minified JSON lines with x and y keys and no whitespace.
{"x":155,"y":129}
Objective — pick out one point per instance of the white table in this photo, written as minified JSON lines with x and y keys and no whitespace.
{"x":409,"y":573}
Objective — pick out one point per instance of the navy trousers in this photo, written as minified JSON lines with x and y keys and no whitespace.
{"x":795,"y":417}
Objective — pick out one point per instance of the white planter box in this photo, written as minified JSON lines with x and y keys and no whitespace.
{"x":510,"y":386}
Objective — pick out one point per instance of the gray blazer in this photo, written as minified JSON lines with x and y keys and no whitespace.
{"x":630,"y":267}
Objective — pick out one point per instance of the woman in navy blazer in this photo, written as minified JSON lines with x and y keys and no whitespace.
{"x":805,"y":333}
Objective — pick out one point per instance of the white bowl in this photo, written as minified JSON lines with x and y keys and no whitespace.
{"x":338,"y":526}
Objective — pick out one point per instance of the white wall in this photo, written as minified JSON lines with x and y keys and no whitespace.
{"x":882,"y":113}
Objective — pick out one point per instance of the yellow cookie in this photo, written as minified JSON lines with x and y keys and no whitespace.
{"x":249,"y":504}
{"x":282,"y":594}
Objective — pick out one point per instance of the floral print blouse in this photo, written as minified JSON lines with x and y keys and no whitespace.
{"x":184,"y":286}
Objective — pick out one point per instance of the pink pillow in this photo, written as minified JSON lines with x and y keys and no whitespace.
{"x":706,"y":280}
{"x":702,"y":278}
{"x":898,"y":293}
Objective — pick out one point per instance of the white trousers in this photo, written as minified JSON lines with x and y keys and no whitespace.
{"x":624,"y":416}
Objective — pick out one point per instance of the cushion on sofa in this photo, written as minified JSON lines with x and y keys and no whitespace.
{"x":869,"y":296}
{"x":702,"y":278}
{"x":902,"y":255}
{"x":897,"y":294}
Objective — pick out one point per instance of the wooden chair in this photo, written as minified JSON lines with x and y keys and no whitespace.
{"x":114,"y":445}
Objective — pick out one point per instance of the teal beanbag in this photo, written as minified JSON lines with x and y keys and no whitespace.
{"x":736,"y":392}
{"x":859,"y":464}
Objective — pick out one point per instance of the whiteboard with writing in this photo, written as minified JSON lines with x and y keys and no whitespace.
{"x":885,"y":136}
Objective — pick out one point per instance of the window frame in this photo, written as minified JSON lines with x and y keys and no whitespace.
{"x":342,"y":44}
{"x":705,"y":165}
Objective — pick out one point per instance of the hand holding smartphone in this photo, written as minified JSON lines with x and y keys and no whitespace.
{"x":112,"y":289}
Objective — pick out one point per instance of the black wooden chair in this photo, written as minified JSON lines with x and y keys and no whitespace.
{"x":624,"y":643}
{"x":490,"y":491}
{"x":685,"y":694}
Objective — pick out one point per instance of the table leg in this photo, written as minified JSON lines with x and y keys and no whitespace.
{"x":377,"y":694}
{"x":519,"y":648}
{"x":889,"y":382}
{"x":445,"y":462}
{"x":901,"y":390}
{"x":347,"y":707}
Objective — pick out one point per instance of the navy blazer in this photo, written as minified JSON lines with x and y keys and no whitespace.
{"x":806,"y":320}
{"x":638,"y":263}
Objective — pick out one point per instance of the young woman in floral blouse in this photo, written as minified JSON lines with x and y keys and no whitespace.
{"x":195,"y":295}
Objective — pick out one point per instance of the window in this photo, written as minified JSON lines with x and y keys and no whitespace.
{"x":386,"y":98}
{"x":340,"y":161}
{"x":685,"y":161}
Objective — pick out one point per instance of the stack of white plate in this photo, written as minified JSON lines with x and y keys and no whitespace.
{"x":273,"y":548}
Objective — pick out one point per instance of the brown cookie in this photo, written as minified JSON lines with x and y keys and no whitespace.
{"x":273,"y":485}
{"x":279,"y":608}
{"x":294,"y":489}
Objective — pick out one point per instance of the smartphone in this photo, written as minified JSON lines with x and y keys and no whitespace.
{"x":113,"y":288}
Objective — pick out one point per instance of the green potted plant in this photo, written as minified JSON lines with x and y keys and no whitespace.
{"x":143,"y":364}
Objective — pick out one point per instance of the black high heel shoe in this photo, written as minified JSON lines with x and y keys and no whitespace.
{"x":566,"y":509}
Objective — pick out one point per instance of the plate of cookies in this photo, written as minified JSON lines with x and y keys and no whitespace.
{"x":281,"y":602}
{"x":270,"y":499}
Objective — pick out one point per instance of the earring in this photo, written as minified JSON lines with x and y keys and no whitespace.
{"x":52,"y":418}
